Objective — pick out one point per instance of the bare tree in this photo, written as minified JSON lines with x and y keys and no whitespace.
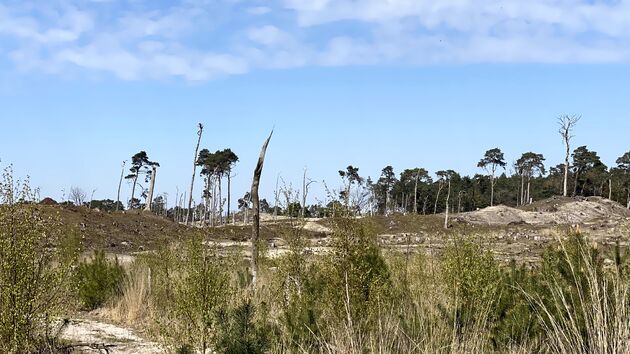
{"x":567,"y":123}
{"x":277,"y":198}
{"x":149,"y":202}
{"x":448,"y":197}
{"x":77,"y":196}
{"x":192,"y":180}
{"x":306,"y":182}
{"x":92,"y":197}
{"x":122,"y":173}
{"x":445,"y":178}
{"x":256,"y":210}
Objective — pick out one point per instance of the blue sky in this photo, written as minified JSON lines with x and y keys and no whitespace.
{"x":86,"y":84}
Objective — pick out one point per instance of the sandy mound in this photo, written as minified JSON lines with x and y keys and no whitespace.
{"x":315,"y":227}
{"x":549,"y":212}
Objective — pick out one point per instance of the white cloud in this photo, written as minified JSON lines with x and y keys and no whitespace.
{"x":268,"y":35}
{"x":201,"y":40}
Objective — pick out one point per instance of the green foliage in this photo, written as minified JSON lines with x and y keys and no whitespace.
{"x":99,"y":280}
{"x":471,"y":276}
{"x":357,"y":276}
{"x":513,"y":315}
{"x":240,"y":333}
{"x":192,"y":285}
{"x":37,"y":255}
{"x":106,"y":205}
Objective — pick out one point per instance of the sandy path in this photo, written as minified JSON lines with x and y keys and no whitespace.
{"x":94,"y":336}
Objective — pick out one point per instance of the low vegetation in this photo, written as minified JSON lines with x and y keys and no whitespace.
{"x":98,"y":280}
{"x":359,"y":297}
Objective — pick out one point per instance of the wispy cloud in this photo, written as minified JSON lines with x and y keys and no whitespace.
{"x":201,"y":40}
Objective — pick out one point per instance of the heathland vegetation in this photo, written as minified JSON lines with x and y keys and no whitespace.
{"x":191,"y":294}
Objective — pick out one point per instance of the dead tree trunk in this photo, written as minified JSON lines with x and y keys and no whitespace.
{"x":567,"y":123}
{"x":182,"y":214}
{"x":448,"y":196}
{"x":415,"y":194}
{"x":277,"y":199}
{"x":256,"y":210}
{"x":229,"y":178}
{"x":122,"y":173}
{"x":147,"y":207}
{"x":305,"y":184}
{"x":192,"y":180}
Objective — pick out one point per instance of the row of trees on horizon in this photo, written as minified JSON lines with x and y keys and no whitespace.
{"x":414,"y":190}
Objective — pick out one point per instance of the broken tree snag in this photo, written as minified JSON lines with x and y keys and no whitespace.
{"x":192,"y":180}
{"x":256,"y":210}
{"x":122,"y":173}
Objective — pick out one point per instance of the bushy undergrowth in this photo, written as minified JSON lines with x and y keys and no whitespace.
{"x":98,"y":280}
{"x":361,"y":299}
{"x":37,"y":255}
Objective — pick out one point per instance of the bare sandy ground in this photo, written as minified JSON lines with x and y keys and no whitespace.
{"x":96,"y":337}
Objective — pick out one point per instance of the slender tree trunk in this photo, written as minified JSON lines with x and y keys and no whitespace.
{"x":182,"y":214}
{"x":220,"y":201}
{"x":424,"y":205}
{"x":122,"y":172}
{"x":529,"y":198}
{"x":415,"y":195}
{"x":213,"y":203}
{"x":304,"y":192}
{"x":206,"y":196}
{"x":192,"y":180}
{"x":577,"y":174}
{"x":256,"y":209}
{"x":522,"y":189}
{"x":492,"y":190}
{"x":147,"y":207}
{"x":133,"y":190}
{"x":176,"y":207}
{"x":448,"y":196}
{"x":277,"y":199}
{"x":437,"y":198}
{"x":610,"y":189}
{"x":229,"y":178}
{"x":566,"y":167}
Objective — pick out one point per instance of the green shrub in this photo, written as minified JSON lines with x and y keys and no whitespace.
{"x":472,"y":279}
{"x":190,"y":285}
{"x":98,"y":280}
{"x":298,"y":280}
{"x":513,"y":314}
{"x":356,"y":274}
{"x":37,"y":257}
{"x":240,"y":333}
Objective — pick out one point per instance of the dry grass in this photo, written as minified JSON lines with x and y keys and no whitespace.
{"x":594,"y":320}
{"x":133,"y":307}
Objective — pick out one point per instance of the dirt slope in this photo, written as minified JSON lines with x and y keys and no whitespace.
{"x":553,"y":211}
